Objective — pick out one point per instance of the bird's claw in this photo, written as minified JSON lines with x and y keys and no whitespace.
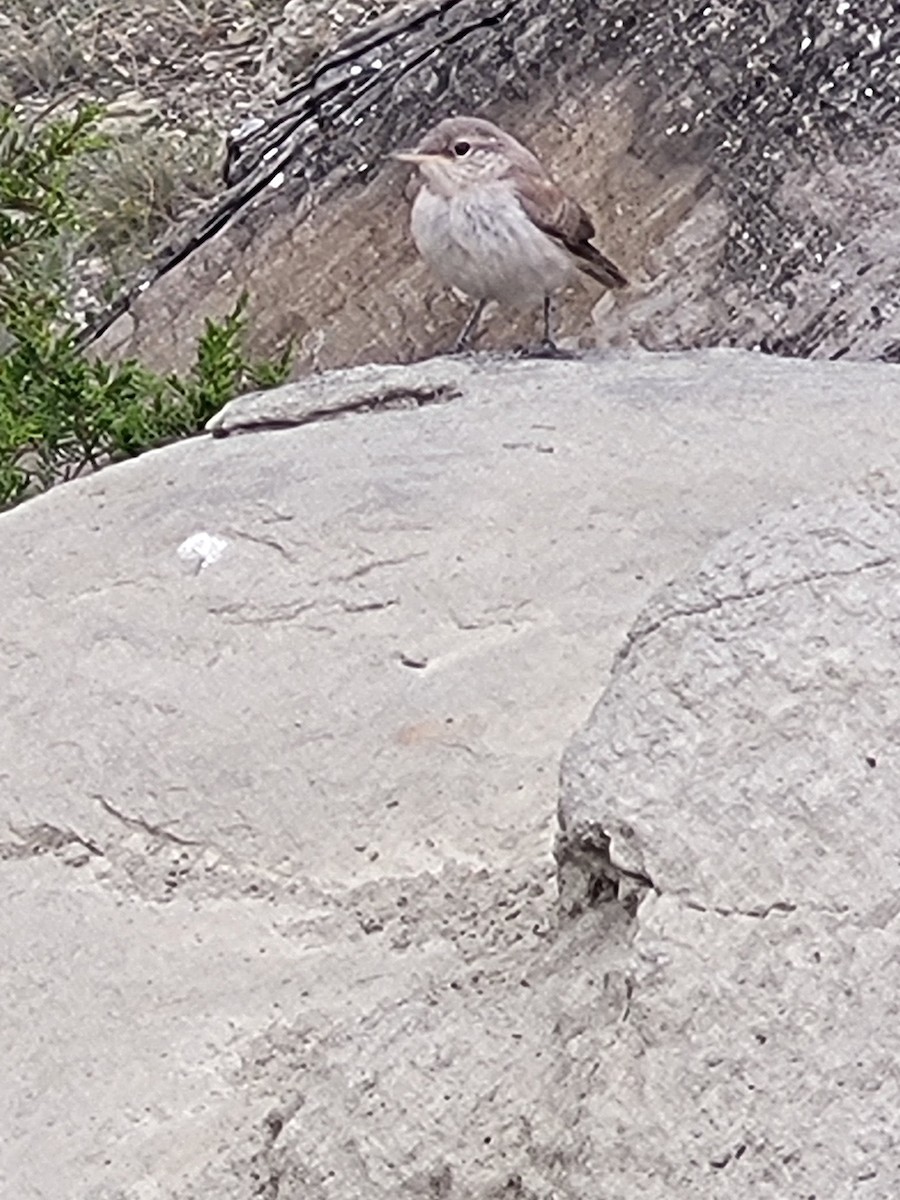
{"x":545,"y":349}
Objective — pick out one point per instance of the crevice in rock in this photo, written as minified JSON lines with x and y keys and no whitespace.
{"x":388,"y":400}
{"x":376,"y":564}
{"x":264,"y":1169}
{"x":782,"y":907}
{"x":257,"y":540}
{"x":364,"y":606}
{"x":141,"y":823}
{"x":45,"y":838}
{"x":587,"y":877}
{"x":234,"y":614}
{"x":639,"y":634}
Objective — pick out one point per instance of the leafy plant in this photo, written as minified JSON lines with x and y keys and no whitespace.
{"x":61,"y":411}
{"x":36,"y":204}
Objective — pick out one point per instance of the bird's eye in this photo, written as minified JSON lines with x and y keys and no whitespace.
{"x":461,"y":149}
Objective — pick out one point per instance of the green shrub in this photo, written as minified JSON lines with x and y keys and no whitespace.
{"x":62,"y":412}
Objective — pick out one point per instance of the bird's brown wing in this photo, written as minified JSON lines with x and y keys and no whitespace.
{"x":563,"y":219}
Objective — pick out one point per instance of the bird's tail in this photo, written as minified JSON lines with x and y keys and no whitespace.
{"x":598,"y":266}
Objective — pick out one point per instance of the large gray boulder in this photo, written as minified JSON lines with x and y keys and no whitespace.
{"x":280,"y":724}
{"x":760,"y":699}
{"x":738,"y":780}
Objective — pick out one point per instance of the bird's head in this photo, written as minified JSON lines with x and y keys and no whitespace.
{"x":463,"y":152}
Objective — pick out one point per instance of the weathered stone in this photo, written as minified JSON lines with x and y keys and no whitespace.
{"x":758,"y":698}
{"x":294,"y":703}
{"x":740,"y":772}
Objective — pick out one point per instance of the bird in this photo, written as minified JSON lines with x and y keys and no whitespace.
{"x":491,"y":222}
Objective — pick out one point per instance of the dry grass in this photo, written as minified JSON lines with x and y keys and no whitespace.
{"x":151,"y":46}
{"x":136,"y":190}
{"x":175,"y":76}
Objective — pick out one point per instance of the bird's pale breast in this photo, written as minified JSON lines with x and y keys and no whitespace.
{"x":482,"y":242}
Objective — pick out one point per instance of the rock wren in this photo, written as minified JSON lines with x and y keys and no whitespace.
{"x":490,"y":221}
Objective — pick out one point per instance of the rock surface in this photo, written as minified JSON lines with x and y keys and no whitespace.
{"x":758,"y":696}
{"x":741,"y":770}
{"x":280,"y":725}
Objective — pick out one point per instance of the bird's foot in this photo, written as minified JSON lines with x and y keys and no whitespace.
{"x":544,"y":349}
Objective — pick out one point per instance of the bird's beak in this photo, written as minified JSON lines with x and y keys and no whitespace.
{"x":413,"y":156}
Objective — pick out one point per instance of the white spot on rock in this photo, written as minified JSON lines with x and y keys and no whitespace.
{"x":201,"y":550}
{"x":248,"y":126}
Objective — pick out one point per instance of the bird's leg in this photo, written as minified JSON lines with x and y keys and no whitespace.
{"x":547,"y":342}
{"x":465,"y":334}
{"x":547,"y":348}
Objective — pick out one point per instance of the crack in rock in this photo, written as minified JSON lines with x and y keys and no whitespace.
{"x":141,"y":823}
{"x":258,"y":540}
{"x":45,"y":838}
{"x":784,"y":907}
{"x":366,"y":605}
{"x":587,"y":876}
{"x":376,"y":564}
{"x":384,"y":399}
{"x":234,"y":614}
{"x":638,"y":634}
